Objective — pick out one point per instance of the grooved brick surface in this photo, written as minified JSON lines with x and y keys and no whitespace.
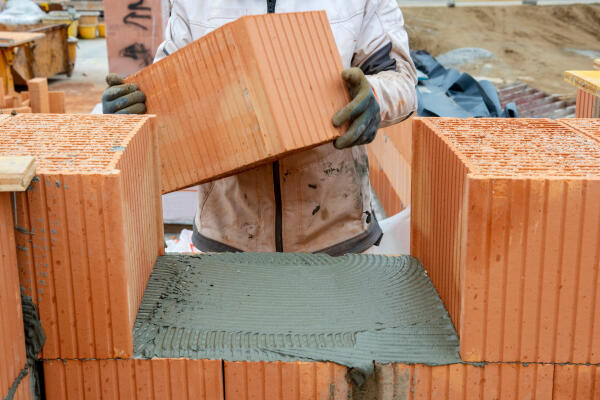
{"x":505,"y":220}
{"x":89,"y":227}
{"x":576,"y":382}
{"x":466,"y":382}
{"x":286,"y":381}
{"x":588,"y":105}
{"x":222,"y":109}
{"x":12,"y":338}
{"x":156,"y":379}
{"x":589,"y":126}
{"x":390,"y":157}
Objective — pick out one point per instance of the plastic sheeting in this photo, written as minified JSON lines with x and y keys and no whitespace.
{"x":446,"y":92}
{"x":18,"y":12}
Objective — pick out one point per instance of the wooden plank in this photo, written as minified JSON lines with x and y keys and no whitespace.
{"x":12,"y":39}
{"x":16,"y":173}
{"x":18,"y":110}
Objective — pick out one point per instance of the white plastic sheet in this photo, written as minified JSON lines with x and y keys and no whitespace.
{"x":21,"y":12}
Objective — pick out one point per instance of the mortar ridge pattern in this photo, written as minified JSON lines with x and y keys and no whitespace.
{"x":288,"y":307}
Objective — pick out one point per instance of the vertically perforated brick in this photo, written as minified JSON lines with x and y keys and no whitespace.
{"x":89,"y":228}
{"x":462,"y":381}
{"x":505,"y":220}
{"x":222,"y":109}
{"x":390,"y":157}
{"x":286,"y":380}
{"x":156,"y":379}
{"x":12,"y":338}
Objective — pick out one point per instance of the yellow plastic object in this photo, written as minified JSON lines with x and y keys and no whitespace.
{"x":88,"y":31}
{"x":73,"y":24}
{"x":89,"y":17}
{"x":102,"y":29}
{"x":72,"y":50}
{"x":588,"y":81}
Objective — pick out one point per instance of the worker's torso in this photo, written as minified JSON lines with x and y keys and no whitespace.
{"x":316,"y":199}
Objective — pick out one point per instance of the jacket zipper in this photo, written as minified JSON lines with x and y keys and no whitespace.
{"x":276,"y":180}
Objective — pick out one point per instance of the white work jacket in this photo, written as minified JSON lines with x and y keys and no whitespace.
{"x":317,"y":200}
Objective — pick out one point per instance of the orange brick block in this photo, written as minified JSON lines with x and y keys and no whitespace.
{"x":466,"y":382}
{"x":587,"y":105}
{"x":286,"y":380}
{"x":38,"y":95}
{"x":390,"y":157}
{"x":588,"y":126}
{"x":581,"y":382}
{"x":57,"y":102}
{"x":156,"y":379}
{"x":505,"y":220}
{"x":89,"y":228}
{"x":12,"y":338}
{"x":222,"y":109}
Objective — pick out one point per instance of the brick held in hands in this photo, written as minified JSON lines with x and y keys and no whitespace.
{"x":89,"y":228}
{"x":12,"y":339}
{"x":247,"y":93}
{"x":505,"y":220}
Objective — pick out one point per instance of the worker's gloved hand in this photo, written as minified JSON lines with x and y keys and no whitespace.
{"x":362,"y":111}
{"x":122,"y":98}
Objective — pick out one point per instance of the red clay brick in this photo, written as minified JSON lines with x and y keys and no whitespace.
{"x":160,"y":379}
{"x":57,"y":102}
{"x":466,"y":382}
{"x":505,"y":221}
{"x":589,"y":126}
{"x":390,"y":157}
{"x":581,"y":382}
{"x":89,"y":228}
{"x":12,"y":339}
{"x":281,"y":380}
{"x":244,"y":111}
{"x":38,"y":95}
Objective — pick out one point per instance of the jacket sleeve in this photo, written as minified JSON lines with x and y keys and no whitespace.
{"x":177,"y":33}
{"x":382,"y":53}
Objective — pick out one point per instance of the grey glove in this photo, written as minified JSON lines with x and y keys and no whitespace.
{"x":362,"y":111}
{"x":122,"y":98}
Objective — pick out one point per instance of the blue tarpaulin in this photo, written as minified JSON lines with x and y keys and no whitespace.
{"x":446,"y":92}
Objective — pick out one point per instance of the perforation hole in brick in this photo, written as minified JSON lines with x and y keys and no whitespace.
{"x":68,"y":143}
{"x":521,"y":147}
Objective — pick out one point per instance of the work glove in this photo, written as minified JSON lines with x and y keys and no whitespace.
{"x":362,"y":111}
{"x":122,"y":98}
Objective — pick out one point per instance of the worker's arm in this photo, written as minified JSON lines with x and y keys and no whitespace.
{"x":177,"y":34}
{"x":383,"y":89}
{"x":383,"y":54}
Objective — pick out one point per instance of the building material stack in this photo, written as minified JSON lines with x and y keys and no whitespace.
{"x":504,"y":219}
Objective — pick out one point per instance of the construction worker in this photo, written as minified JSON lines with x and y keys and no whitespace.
{"x":317,"y":200}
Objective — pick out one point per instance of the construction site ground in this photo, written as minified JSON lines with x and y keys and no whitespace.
{"x":534,"y":44}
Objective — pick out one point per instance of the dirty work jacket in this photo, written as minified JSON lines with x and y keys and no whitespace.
{"x":317,"y":200}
